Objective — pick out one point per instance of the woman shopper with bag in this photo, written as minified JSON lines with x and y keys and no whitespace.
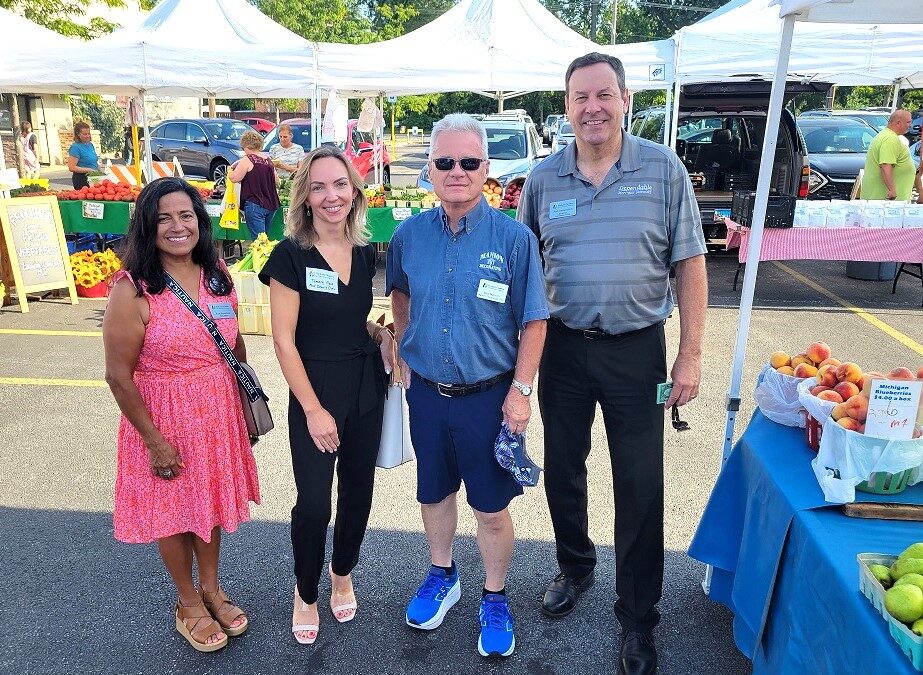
{"x":259,"y":196}
{"x":185,"y":469}
{"x":336,"y":364}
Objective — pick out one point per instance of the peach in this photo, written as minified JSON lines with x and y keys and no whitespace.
{"x":867,"y":381}
{"x":829,"y":362}
{"x":786,"y":370}
{"x":861,"y":428}
{"x":801,"y":358}
{"x":826,"y":375}
{"x":805,"y":370}
{"x":849,"y":372}
{"x":779,"y":359}
{"x":901,"y":374}
{"x":839,"y":412}
{"x":917,"y":431}
{"x":920,"y":374}
{"x":818,"y":351}
{"x":857,"y":407}
{"x":819,"y":388}
{"x":830,"y":395}
{"x":848,"y":423}
{"x":846,"y":389}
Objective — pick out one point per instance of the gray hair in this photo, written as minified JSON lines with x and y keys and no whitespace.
{"x":459,"y":122}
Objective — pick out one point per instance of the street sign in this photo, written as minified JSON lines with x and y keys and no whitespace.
{"x":392,"y":99}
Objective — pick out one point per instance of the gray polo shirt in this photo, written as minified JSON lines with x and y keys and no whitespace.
{"x":607,"y":252}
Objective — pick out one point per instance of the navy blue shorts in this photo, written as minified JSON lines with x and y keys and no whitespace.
{"x":454,"y":441}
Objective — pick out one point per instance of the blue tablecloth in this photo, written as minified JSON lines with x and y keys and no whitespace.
{"x":785,"y":570}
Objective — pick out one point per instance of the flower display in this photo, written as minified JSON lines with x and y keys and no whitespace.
{"x":91,"y":268}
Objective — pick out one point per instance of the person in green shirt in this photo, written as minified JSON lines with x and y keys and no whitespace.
{"x":889,"y":171}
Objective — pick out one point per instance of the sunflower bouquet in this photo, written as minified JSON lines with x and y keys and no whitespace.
{"x":91,"y":268}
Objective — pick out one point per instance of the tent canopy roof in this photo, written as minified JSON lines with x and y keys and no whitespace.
{"x":853,"y":11}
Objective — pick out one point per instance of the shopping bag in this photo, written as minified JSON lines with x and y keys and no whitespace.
{"x":395,"y":447}
{"x":230,"y":205}
{"x":777,"y":397}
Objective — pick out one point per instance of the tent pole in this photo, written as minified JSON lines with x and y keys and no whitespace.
{"x":774,"y":117}
{"x":674,"y":117}
{"x":895,"y":95}
{"x":148,"y":156}
{"x":499,"y":101}
{"x":631,"y":108}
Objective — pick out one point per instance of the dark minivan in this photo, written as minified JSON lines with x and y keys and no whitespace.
{"x":719,"y":139}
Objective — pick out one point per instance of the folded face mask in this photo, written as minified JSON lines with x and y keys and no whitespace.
{"x":510,"y":451}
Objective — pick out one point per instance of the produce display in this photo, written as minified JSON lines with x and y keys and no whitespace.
{"x":30,"y":191}
{"x":903,"y":582}
{"x":805,"y":364}
{"x":493,"y":193}
{"x":285,"y":191}
{"x":511,"y":196}
{"x":91,"y":268}
{"x":256,"y":256}
{"x":375,"y":196}
{"x":105,"y":190}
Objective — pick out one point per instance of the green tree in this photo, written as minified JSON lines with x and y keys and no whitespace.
{"x":105,"y":116}
{"x":321,"y":20}
{"x":63,"y":16}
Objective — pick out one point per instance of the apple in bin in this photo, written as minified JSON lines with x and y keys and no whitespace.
{"x":818,"y":352}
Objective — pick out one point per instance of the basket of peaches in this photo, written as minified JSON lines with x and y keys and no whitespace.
{"x":777,"y":386}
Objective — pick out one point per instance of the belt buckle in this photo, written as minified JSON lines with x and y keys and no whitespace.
{"x":591,"y":334}
{"x":440,"y":385}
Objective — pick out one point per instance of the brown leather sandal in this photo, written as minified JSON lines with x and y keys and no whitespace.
{"x":203,"y":627}
{"x":221,"y":607}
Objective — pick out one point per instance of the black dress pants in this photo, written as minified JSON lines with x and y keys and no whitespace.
{"x":620,"y":373}
{"x":337,"y":386}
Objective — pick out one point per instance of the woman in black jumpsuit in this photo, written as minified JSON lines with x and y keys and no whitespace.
{"x":334,"y":361}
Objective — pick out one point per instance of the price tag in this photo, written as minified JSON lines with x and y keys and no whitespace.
{"x":213,"y":210}
{"x":131,"y":210}
{"x":401,"y":213}
{"x":94,"y":210}
{"x":893,"y":406}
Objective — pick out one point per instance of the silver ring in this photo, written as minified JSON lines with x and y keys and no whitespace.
{"x":166,"y":474}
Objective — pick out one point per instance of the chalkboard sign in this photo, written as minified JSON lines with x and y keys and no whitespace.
{"x":35,"y":244}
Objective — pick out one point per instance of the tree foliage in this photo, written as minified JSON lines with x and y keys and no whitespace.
{"x":105,"y":116}
{"x":63,"y":16}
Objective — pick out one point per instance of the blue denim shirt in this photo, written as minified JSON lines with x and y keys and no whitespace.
{"x":454,"y":336}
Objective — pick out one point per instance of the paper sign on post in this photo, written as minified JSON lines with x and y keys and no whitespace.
{"x":214,"y":210}
{"x":893,"y":408}
{"x":401,"y":213}
{"x":95,"y":210}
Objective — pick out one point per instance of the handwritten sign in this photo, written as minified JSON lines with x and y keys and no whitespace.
{"x":401,"y":213}
{"x":35,"y":244}
{"x":214,"y":210}
{"x":94,"y":210}
{"x":893,"y":408}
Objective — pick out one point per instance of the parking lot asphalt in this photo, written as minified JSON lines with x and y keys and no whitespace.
{"x":77,"y":601}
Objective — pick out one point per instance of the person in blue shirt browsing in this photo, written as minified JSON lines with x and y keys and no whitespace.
{"x":469,"y":309}
{"x":82,"y":159}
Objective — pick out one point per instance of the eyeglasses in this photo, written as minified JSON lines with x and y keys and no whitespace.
{"x":678,"y":424}
{"x":467,"y":163}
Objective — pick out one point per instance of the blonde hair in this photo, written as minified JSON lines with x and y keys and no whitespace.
{"x":299,"y":225}
{"x":250,"y":140}
{"x":285,"y":127}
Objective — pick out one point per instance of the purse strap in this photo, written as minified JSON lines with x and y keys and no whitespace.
{"x":253,"y":391}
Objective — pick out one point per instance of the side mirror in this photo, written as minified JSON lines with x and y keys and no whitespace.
{"x":365,"y":149}
{"x":202,"y":140}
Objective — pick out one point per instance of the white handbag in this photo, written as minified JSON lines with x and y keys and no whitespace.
{"x":395,"y":447}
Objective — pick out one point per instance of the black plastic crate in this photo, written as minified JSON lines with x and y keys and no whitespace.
{"x":739,"y":211}
{"x":780,"y":211}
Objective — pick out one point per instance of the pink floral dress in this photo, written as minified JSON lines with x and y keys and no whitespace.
{"x":191,"y":394}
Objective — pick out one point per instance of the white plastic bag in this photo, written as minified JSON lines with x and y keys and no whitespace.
{"x":847,"y":458}
{"x":819,"y":408}
{"x":777,"y":397}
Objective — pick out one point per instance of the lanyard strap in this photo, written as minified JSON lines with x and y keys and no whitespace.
{"x":253,"y":391}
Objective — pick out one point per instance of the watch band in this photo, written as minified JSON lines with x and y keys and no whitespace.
{"x":523,"y":388}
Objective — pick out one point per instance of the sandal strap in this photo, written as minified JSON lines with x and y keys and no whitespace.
{"x":200,"y":629}
{"x":222,"y":608}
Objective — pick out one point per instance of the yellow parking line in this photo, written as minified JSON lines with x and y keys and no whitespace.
{"x":52,"y":382}
{"x":65,"y":333}
{"x":858,"y":311}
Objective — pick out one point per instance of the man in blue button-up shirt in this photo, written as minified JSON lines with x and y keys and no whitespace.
{"x":468,"y":297}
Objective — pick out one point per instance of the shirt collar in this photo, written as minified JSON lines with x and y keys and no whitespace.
{"x":470,"y":220}
{"x":629,"y":160}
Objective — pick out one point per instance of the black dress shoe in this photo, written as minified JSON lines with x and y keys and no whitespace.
{"x":638,"y":655}
{"x":560,"y":597}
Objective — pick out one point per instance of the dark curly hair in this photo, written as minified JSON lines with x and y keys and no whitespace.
{"x":140,"y":255}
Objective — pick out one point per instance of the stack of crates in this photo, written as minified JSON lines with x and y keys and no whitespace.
{"x":253,"y":314}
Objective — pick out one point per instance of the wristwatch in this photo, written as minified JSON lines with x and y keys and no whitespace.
{"x":524,"y":389}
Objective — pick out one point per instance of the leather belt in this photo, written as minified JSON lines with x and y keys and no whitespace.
{"x":456,"y":390}
{"x":594,"y":333}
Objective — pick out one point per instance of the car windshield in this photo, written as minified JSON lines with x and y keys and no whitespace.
{"x":566,"y":128}
{"x":227,"y":130}
{"x":833,"y":138}
{"x":699,"y":130}
{"x":506,"y":143}
{"x":876,"y":120}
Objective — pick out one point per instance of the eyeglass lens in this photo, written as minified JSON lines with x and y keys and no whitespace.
{"x":448,"y":163}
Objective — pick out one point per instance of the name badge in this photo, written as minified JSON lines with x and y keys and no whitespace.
{"x":562,"y":209}
{"x":322,"y":281}
{"x":221,"y":310}
{"x":492,"y":290}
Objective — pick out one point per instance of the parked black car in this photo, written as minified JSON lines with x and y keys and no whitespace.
{"x":836,"y":150}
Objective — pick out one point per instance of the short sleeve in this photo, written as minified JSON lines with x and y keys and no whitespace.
{"x":527,"y":293}
{"x":73,"y":151}
{"x":889,"y":151}
{"x":283,"y":266}
{"x":368,"y":256}
{"x":395,"y":275}
{"x":687,"y":239}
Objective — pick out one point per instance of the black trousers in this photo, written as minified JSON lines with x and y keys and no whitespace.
{"x":80,"y":180}
{"x":621,"y":374}
{"x":336,"y":385}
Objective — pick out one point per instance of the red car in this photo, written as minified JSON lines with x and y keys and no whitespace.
{"x":259,"y":124}
{"x":358,"y":147}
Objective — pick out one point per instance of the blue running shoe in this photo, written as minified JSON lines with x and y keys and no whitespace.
{"x":433,"y":599}
{"x":497,"y":637}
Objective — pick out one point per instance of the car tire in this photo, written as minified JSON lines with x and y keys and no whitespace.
{"x":218,"y":171}
{"x":386,"y":176}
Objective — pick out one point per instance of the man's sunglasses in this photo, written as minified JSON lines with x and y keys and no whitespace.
{"x":467,"y":163}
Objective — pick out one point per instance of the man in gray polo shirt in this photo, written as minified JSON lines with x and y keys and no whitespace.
{"x":613,"y":213}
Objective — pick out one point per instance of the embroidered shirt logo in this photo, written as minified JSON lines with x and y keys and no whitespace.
{"x":491,"y":261}
{"x":633,"y":190}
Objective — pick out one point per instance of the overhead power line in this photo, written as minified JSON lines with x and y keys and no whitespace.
{"x":684,"y":8}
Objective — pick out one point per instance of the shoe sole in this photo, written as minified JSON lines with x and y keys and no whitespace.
{"x":493,"y":654}
{"x":580,"y":590}
{"x":451,"y":598}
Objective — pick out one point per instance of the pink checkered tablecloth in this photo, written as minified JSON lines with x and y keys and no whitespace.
{"x":821,"y":243}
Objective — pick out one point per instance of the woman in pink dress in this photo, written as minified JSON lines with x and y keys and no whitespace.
{"x":185,"y":467}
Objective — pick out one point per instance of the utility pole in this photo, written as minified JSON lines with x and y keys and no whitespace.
{"x":594,"y":16}
{"x":615,"y":16}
